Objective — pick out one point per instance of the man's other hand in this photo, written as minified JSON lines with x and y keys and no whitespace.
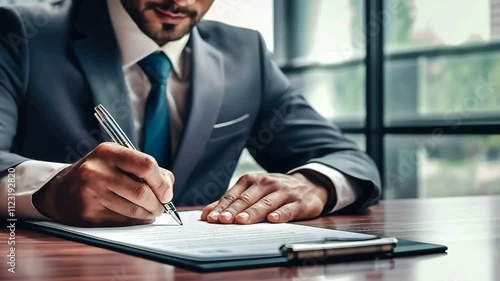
{"x":99,"y":189}
{"x":276,"y":198}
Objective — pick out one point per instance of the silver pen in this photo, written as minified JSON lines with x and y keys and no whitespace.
{"x":117,"y":135}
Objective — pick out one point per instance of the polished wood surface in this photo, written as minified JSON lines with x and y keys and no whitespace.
{"x":470,"y":227}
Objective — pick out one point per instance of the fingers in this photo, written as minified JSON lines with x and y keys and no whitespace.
{"x":286,"y":213}
{"x":296,"y":210}
{"x":170,"y":180}
{"x":141,"y":165}
{"x":134,"y":192}
{"x":275,"y":197}
{"x":260,"y":210}
{"x":110,"y":218}
{"x":241,"y":196}
{"x":148,"y":170}
{"x":243,"y":201}
{"x":123,"y":207}
{"x":99,"y":215}
{"x":249,"y":201}
{"x":230,"y":196}
{"x":251,"y":206}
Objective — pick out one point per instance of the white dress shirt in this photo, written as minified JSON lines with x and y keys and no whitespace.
{"x":134,"y":46}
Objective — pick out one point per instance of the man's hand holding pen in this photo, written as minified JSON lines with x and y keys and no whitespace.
{"x":98,"y":190}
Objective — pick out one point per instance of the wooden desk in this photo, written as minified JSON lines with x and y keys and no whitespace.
{"x":470,"y":227}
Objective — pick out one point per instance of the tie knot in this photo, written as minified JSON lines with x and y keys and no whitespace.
{"x":157,"y":67}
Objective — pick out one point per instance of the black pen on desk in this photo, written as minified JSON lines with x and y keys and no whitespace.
{"x":117,"y":135}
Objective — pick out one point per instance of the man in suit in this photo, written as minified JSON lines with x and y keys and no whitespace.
{"x":191,"y":95}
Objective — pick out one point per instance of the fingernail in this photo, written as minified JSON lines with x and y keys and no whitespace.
{"x":275,"y":216}
{"x":227,"y":215}
{"x":214,"y":215}
{"x":244,"y":216}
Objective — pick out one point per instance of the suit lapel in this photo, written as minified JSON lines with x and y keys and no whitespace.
{"x":207,"y":87}
{"x":98,"y":54}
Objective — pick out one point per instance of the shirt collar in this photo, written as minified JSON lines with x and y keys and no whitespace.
{"x":135,"y":45}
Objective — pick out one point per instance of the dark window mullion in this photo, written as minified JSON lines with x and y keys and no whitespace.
{"x":374,"y":81}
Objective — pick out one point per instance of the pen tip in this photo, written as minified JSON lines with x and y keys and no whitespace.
{"x":177,"y":218}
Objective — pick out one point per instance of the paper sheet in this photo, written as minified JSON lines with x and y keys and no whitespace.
{"x":199,"y":240}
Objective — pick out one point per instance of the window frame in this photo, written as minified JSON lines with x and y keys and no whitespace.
{"x":375,"y":128}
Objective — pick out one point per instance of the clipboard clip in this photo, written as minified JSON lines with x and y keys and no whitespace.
{"x":335,"y":247}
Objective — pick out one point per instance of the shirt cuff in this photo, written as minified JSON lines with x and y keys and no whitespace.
{"x":345,"y":187}
{"x":30,"y":176}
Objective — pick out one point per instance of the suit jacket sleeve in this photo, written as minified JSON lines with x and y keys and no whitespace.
{"x":288,"y":133}
{"x":13,"y":83}
{"x":14,"y":73}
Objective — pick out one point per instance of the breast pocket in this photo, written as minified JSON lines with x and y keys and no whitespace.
{"x":231,"y":127}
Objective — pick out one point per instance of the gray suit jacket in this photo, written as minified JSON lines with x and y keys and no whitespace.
{"x":58,"y":61}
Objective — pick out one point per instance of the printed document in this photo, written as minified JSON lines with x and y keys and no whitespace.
{"x":201,"y":241}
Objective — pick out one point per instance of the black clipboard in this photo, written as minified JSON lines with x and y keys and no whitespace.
{"x":403,"y":248}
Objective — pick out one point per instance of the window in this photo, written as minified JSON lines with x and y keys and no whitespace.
{"x":442,"y":75}
{"x":443,"y":88}
{"x":439,"y":66}
{"x":325,"y":44}
{"x":359,"y":139}
{"x":413,"y":24}
{"x":336,"y":92}
{"x":255,"y":14}
{"x":435,"y":130}
{"x":326,"y":60}
{"x":441,"y":165}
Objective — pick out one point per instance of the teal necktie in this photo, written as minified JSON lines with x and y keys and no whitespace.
{"x":156,"y":134}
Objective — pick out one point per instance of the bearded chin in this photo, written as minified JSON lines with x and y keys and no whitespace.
{"x":169,"y":29}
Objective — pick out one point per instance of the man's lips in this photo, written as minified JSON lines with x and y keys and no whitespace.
{"x":169,"y":17}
